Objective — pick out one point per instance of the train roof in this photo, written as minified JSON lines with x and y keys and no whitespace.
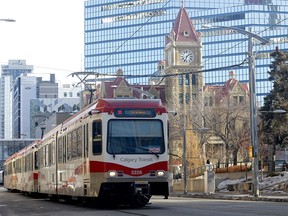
{"x":108,"y":105}
{"x":22,"y":151}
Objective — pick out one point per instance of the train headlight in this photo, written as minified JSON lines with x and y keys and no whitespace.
{"x":160,"y":173}
{"x":112,"y":174}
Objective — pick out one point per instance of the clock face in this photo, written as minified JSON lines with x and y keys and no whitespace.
{"x":187,"y":56}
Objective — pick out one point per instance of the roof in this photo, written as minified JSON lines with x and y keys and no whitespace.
{"x":221,"y":92}
{"x":109,"y":86}
{"x":183,"y":29}
{"x":108,"y":105}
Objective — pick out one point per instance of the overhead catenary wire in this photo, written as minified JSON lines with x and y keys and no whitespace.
{"x":130,"y":76}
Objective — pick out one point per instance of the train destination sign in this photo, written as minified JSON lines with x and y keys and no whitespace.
{"x":128,"y":112}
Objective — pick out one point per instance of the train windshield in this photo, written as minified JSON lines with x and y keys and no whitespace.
{"x":135,"y":137}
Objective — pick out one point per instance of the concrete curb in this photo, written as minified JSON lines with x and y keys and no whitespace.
{"x":244,"y":197}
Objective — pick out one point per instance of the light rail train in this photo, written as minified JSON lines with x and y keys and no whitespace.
{"x":114,"y":150}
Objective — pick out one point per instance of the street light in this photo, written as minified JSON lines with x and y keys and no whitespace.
{"x":277,"y":111}
{"x":252,"y":101}
{"x":8,"y":20}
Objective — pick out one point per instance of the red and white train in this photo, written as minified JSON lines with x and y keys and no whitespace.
{"x":115,"y":150}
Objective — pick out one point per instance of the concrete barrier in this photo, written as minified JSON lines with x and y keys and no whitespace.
{"x":197,"y":185}
{"x":244,"y":187}
{"x":193,"y":185}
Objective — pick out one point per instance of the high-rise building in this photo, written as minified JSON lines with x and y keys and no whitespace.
{"x":9,"y":73}
{"x":131,"y":35}
{"x":47,"y":89}
{"x":35,"y":100}
{"x":24,"y":89}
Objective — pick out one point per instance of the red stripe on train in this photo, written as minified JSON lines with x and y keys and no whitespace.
{"x":98,"y":166}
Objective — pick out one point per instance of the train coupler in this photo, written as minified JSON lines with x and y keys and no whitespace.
{"x":141,"y":188}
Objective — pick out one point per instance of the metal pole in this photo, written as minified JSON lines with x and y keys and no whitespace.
{"x":253,"y":119}
{"x":253,"y":113}
{"x":184,"y":159}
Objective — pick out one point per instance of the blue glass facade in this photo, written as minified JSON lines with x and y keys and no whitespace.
{"x":131,"y":34}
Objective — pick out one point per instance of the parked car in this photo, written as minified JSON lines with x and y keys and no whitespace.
{"x":281,"y":165}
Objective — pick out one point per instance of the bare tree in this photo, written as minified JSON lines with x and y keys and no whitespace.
{"x":180,"y":125}
{"x":228,"y":121}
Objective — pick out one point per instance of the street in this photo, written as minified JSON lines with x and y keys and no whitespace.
{"x":14,"y":204}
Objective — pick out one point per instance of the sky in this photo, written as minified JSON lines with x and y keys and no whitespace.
{"x":48,"y":34}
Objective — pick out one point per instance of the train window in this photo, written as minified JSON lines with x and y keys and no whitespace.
{"x":69,"y":146}
{"x":27,"y":162}
{"x":53,"y":156}
{"x":36,"y":161}
{"x":85,"y":141}
{"x":97,"y":137}
{"x":74,"y":144}
{"x":60,"y":150}
{"x":135,"y":137}
{"x":39,"y":155}
{"x":87,"y":146}
{"x":22,"y":164}
{"x":47,"y":156}
{"x":42,"y":158}
{"x":64,"y":149}
{"x":79,"y":142}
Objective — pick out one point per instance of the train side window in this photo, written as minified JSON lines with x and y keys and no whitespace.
{"x":60,"y":150}
{"x":42,"y":158}
{"x":39,"y":155}
{"x":46,"y":156}
{"x":69,"y":146}
{"x":84,"y":141}
{"x":74,"y":144}
{"x":79,"y":142}
{"x":49,"y":154}
{"x":53,"y":155}
{"x":36,"y":161}
{"x":85,"y":138}
{"x":97,"y":137}
{"x":64,"y":149}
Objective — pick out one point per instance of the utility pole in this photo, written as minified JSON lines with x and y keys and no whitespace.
{"x":252,"y":91}
{"x":184,"y":158}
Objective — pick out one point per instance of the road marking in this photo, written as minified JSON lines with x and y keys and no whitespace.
{"x":2,"y":205}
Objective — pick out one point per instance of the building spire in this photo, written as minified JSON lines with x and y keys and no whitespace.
{"x":183,"y":29}
{"x":182,"y":1}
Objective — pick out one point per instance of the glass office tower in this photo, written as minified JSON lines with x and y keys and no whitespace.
{"x":131,"y":34}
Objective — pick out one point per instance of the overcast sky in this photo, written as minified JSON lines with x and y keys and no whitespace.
{"x":48,"y":34}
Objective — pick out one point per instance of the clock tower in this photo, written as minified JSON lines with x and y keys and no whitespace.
{"x":183,"y":85}
{"x":183,"y":54}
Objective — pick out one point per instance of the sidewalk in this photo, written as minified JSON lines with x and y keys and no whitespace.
{"x":234,"y":196}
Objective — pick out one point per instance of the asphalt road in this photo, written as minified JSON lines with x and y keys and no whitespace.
{"x":14,"y":204}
